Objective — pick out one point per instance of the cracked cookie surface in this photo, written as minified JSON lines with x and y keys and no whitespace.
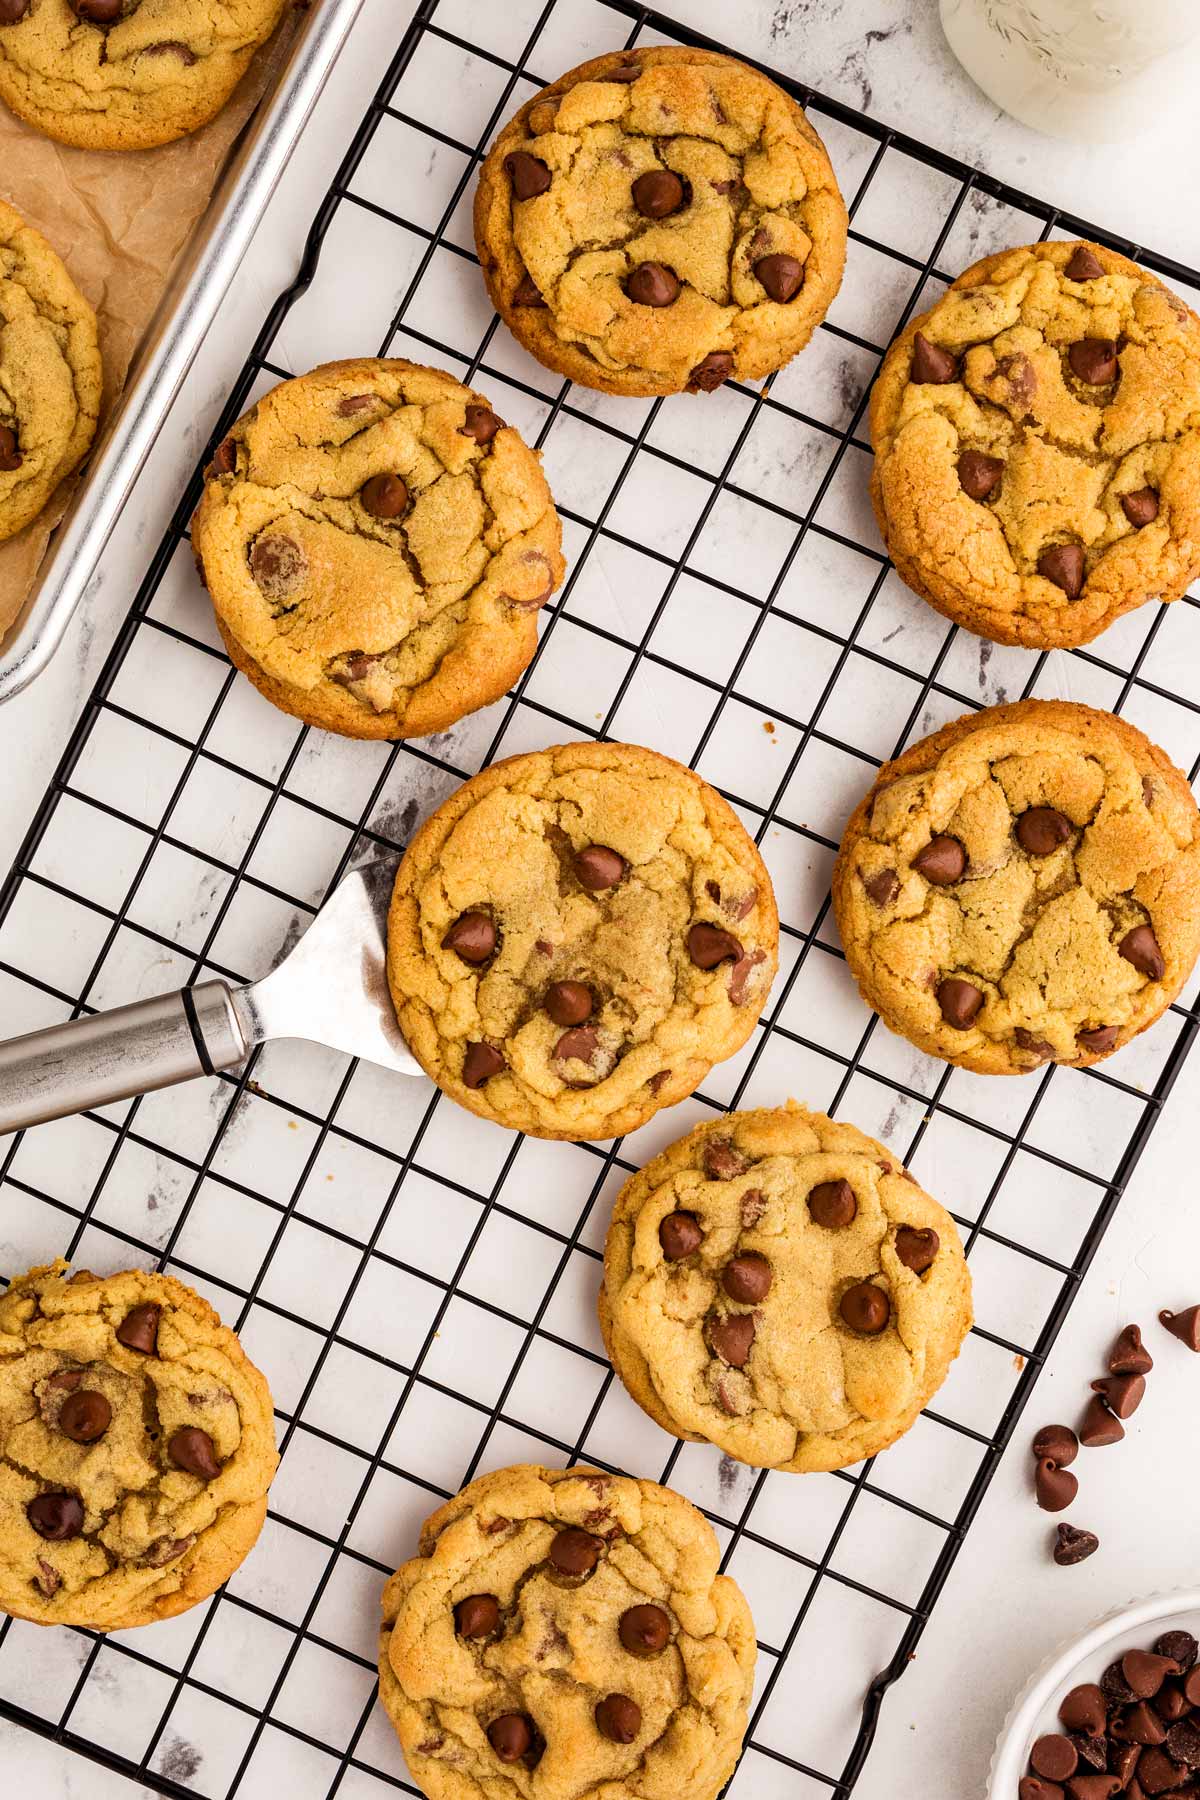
{"x":137,"y":1445}
{"x":126,"y":74}
{"x":661,"y":220}
{"x":576,"y":936}
{"x":566,"y":1634}
{"x":50,"y":373}
{"x":1037,"y":445}
{"x":1023,"y":887}
{"x":377,"y":544}
{"x":728,"y":1260}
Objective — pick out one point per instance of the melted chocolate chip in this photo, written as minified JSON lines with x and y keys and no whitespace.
{"x":960,"y":1002}
{"x":1063,"y":565}
{"x":731,"y":1336}
{"x":1140,"y":507}
{"x":917,"y":1249}
{"x":482,"y":424}
{"x":618,"y":1718}
{"x":56,"y":1516}
{"x":865,"y":1308}
{"x":192,"y":1450}
{"x":644,"y":1630}
{"x":658,"y":193}
{"x":942,"y":861}
{"x":138,"y":1330}
{"x":930,"y":363}
{"x":575,"y":1552}
{"x":653,"y":284}
{"x":1140,"y":947}
{"x":1094,"y":360}
{"x":978,"y":475}
{"x":569,"y":1002}
{"x":528,"y":174}
{"x":781,"y":275}
{"x":598,"y":868}
{"x":711,"y":372}
{"x":832,"y":1204}
{"x":883,"y":887}
{"x":710,"y":945}
{"x":472,"y":937}
{"x":511,"y":1736}
{"x":747,"y":1279}
{"x":85,"y":1416}
{"x":480,"y":1063}
{"x":478,"y":1616}
{"x":1096,"y":1039}
{"x":1084,"y":265}
{"x":1042,"y":829}
{"x":527,"y":292}
{"x":680,"y":1235}
{"x":385,"y":496}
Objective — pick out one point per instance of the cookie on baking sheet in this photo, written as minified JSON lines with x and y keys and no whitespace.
{"x":576,"y":936}
{"x":137,"y":1445}
{"x":661,"y":220}
{"x":776,"y":1284}
{"x":1037,"y":445}
{"x":50,"y":373}
{"x":1023,"y":887}
{"x":377,"y":543}
{"x":562,"y":1633}
{"x":126,"y":74}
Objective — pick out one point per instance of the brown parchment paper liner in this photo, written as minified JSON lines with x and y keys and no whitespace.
{"x":119,"y":221}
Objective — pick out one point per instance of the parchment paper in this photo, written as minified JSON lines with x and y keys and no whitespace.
{"x":119,"y":221}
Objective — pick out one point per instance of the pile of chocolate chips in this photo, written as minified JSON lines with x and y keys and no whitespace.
{"x":1136,"y":1734}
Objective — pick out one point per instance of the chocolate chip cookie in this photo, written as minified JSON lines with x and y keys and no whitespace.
{"x":1037,"y":445}
{"x":1023,"y":887}
{"x":776,"y":1284}
{"x":661,"y":220}
{"x":577,"y":936}
{"x":136,"y":1449}
{"x":377,"y":543}
{"x":126,"y":74}
{"x":563,"y":1633}
{"x":49,"y":373}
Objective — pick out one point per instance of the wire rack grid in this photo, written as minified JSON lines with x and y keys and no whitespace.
{"x":419,"y":1285}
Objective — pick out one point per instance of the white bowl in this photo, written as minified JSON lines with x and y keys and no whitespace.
{"x":1035,"y":1710}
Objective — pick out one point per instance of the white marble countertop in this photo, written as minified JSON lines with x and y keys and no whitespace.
{"x":1006,"y":1605}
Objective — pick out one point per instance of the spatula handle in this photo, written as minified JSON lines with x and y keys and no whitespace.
{"x":112,"y":1056}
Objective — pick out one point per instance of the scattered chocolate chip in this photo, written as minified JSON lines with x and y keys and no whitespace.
{"x":569,"y":1002}
{"x":385,"y":496}
{"x":1140,"y":507}
{"x":472,"y":937}
{"x":644,"y":1630}
{"x":930,"y":363}
{"x":866,"y":1308}
{"x":1063,"y":565}
{"x":224,"y":459}
{"x":1054,"y":1757}
{"x":680,"y":1235}
{"x":832,"y":1204}
{"x":598,"y":868}
{"x":658,"y":193}
{"x":978,"y":475}
{"x":1122,"y":1394}
{"x":191,"y":1449}
{"x":85,"y":1416}
{"x":1183,"y":1325}
{"x":138,"y":1330}
{"x":653,"y":284}
{"x":732,"y":1338}
{"x":960,"y":1001}
{"x":1042,"y":829}
{"x":917,"y":1249}
{"x":480,"y":1063}
{"x":98,"y":12}
{"x":575,"y":1552}
{"x":942,"y":862}
{"x":1094,"y":360}
{"x":1099,"y":1427}
{"x":882,"y":888}
{"x":712,"y":372}
{"x":1140,"y":947}
{"x":482,"y":424}
{"x":722,"y":1159}
{"x":1057,"y":1443}
{"x":781,"y":275}
{"x":1083,"y":1709}
{"x":577,"y":1045}
{"x":1145,"y":1672}
{"x":710,"y":945}
{"x":618,"y":1718}
{"x":13,"y":11}
{"x":56,"y":1516}
{"x":1039,"y":1047}
{"x":511,"y":1736}
{"x":528,"y":174}
{"x":1097,"y":1039}
{"x":1084,"y":265}
{"x":747,"y":1279}
{"x":478,"y":1616}
{"x":1055,"y":1488}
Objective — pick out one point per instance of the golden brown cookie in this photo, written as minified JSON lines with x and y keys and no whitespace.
{"x":661,"y":220}
{"x":577,"y":936}
{"x":1022,"y":887}
{"x":49,"y":373}
{"x":137,"y":1445}
{"x":777,"y":1285}
{"x":1037,"y":445}
{"x":564,"y":1633}
{"x":126,"y":74}
{"x":377,"y":543}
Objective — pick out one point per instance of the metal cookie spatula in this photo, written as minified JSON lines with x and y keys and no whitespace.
{"x":332,"y":989}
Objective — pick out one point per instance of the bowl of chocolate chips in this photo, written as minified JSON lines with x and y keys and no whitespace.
{"x":1116,"y":1713}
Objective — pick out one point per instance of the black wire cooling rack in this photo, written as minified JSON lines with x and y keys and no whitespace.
{"x":418,"y":1285}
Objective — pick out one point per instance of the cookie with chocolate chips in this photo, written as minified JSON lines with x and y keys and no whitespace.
{"x":1072,"y":918}
{"x":576,"y":936}
{"x":137,"y":1445}
{"x":776,"y":1284}
{"x":50,"y":375}
{"x":661,"y":220}
{"x":563,"y":1632}
{"x":1037,"y":445}
{"x":377,"y":543}
{"x":126,"y":74}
